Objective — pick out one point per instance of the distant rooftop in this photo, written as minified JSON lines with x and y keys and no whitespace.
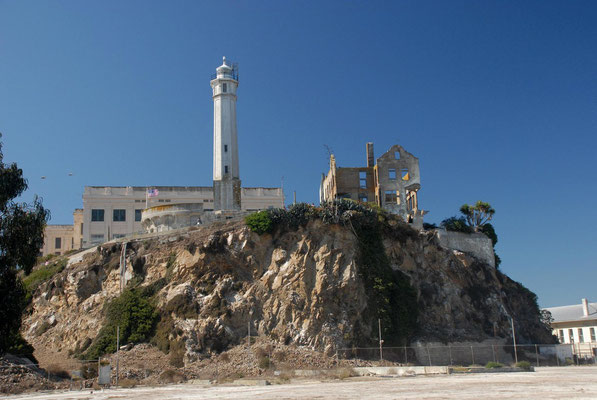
{"x":573,"y":313}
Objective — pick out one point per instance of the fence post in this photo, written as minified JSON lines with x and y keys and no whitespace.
{"x":118,"y":343}
{"x":557,"y":355}
{"x":537,"y":354}
{"x":450,"y":350}
{"x":405,"y":356}
{"x":428,"y":355}
{"x":494,"y":355}
{"x":473,"y":355}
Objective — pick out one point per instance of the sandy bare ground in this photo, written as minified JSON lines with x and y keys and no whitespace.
{"x":545,"y":383}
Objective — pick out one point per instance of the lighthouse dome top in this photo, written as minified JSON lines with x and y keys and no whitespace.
{"x":226,"y":71}
{"x":224,"y":67}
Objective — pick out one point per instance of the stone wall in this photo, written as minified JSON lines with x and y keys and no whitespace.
{"x":475,"y":244}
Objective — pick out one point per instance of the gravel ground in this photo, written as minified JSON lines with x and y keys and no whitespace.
{"x":545,"y":383}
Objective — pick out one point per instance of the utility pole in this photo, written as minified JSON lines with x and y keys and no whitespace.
{"x":117,"y":348}
{"x":122,"y":283}
{"x":514,"y":340}
{"x":380,"y":340}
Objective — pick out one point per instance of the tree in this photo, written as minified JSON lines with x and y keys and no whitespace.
{"x":477,"y":215}
{"x":21,"y":237}
{"x":457,"y":224}
{"x":474,"y":219}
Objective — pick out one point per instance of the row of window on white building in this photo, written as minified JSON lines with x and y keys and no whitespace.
{"x":580,"y":335}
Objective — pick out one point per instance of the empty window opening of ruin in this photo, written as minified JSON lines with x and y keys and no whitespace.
{"x":404,"y":174}
{"x":392,"y":173}
{"x":397,"y":155}
{"x":391,"y":196}
{"x":363,"y":179}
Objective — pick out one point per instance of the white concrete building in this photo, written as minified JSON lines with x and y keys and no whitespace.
{"x":112,"y":212}
{"x":576,"y":325}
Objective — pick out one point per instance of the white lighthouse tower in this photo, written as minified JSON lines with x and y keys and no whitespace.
{"x":226,"y":173}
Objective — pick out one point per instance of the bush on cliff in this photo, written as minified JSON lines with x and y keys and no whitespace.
{"x":42,"y":274}
{"x":259,"y":222}
{"x":133,"y":312}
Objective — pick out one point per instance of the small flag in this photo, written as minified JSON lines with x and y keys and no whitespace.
{"x":152,"y":192}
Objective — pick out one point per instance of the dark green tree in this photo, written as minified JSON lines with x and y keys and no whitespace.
{"x":21,"y":237}
{"x":457,"y":224}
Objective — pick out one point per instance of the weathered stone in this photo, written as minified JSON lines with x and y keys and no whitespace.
{"x":300,"y":287}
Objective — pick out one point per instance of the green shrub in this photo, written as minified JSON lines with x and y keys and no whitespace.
{"x":161,"y":339}
{"x":47,"y":257}
{"x":264,"y":362}
{"x":457,"y":224}
{"x":259,"y":222}
{"x":299,"y":214}
{"x":171,"y":260}
{"x":42,"y":274}
{"x":136,"y":317}
{"x":524,"y":365}
{"x":493,"y":364}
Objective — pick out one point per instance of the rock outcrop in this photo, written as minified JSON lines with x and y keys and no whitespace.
{"x":304,"y":286}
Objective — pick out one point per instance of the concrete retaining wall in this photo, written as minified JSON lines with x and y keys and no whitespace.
{"x":475,"y":244}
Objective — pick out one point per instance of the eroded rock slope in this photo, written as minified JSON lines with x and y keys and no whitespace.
{"x":302,"y":286}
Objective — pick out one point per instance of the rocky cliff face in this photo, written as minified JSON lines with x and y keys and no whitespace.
{"x":299,"y":286}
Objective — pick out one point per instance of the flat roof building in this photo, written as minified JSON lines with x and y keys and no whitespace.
{"x":111,"y":212}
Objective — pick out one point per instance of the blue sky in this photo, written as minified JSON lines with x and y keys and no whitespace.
{"x":498,"y":99}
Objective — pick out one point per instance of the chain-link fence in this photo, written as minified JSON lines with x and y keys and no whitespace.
{"x":475,"y":354}
{"x":257,"y":358}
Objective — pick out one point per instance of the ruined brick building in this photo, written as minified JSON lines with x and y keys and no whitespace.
{"x":392,"y":182}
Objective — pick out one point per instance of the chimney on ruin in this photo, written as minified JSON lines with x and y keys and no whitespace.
{"x":585,"y":307}
{"x":370,"y":156}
